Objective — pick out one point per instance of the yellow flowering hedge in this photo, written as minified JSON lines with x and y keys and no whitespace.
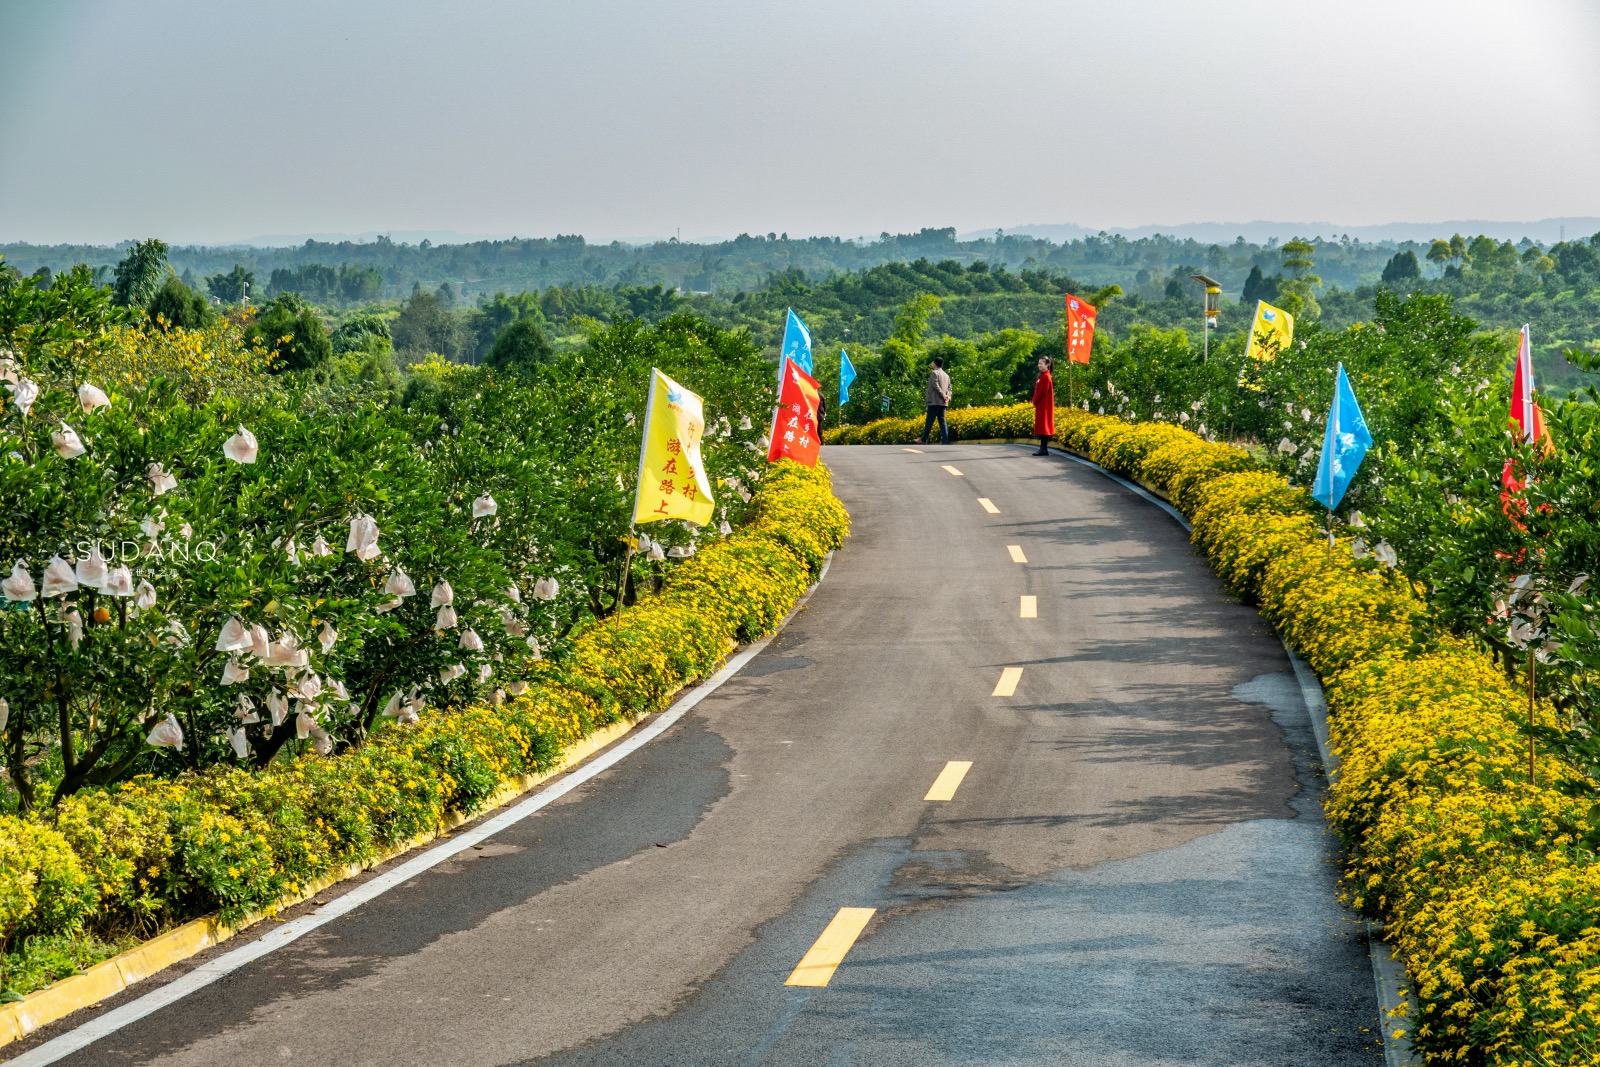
{"x":199,"y":363}
{"x":42,"y":883}
{"x":1487,"y":884}
{"x":157,"y":851}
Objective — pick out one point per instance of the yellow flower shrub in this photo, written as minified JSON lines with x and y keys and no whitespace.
{"x":153,"y":852}
{"x":42,"y":884}
{"x":1487,"y":884}
{"x":198,"y":363}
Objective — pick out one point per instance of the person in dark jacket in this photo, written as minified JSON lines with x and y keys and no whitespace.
{"x":1044,"y":407}
{"x":936,"y":400}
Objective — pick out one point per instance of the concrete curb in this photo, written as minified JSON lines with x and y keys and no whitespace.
{"x":1388,"y":972}
{"x":109,"y":977}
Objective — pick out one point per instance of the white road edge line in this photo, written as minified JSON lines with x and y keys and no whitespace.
{"x":1388,"y":973}
{"x":87,"y":1034}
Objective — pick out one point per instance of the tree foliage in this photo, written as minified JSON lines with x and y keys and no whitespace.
{"x":232,"y":287}
{"x":496,"y":483}
{"x":426,"y":324}
{"x":521,"y":347}
{"x":292,"y":330}
{"x":140,"y":273}
{"x":1402,"y":270}
{"x":1257,"y":286}
{"x":175,"y":304}
{"x":345,"y":284}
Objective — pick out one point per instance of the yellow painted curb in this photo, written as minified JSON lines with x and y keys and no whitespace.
{"x":109,"y":977}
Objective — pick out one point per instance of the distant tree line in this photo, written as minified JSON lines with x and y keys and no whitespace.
{"x":344,"y":284}
{"x":325,"y":319}
{"x":743,"y":263}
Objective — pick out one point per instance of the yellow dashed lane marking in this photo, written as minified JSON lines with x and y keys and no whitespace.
{"x":944,"y":787}
{"x":988,"y":505}
{"x":1030,"y":607}
{"x":953,"y":471}
{"x":818,"y":965}
{"x":1007,"y":685}
{"x":918,"y":451}
{"x":1016,"y":554}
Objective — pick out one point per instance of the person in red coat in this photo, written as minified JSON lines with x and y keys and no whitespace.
{"x":1044,"y":407}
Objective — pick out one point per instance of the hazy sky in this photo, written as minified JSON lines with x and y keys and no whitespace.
{"x":212,"y":121}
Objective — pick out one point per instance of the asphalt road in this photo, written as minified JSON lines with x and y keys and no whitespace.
{"x":1134,"y":870}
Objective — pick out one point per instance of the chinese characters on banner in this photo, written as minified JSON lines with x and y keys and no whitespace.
{"x":794,"y":428}
{"x":672,"y":480}
{"x":1080,"y":329}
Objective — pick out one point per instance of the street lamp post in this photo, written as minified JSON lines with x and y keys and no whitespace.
{"x":1213,"y":307}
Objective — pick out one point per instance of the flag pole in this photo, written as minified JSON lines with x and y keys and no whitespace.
{"x":1532,"y":705}
{"x":638,"y":487}
{"x":777,"y":403}
{"x":644,"y":436}
{"x":1332,"y":428}
{"x":1066,"y":345}
{"x":622,"y":582}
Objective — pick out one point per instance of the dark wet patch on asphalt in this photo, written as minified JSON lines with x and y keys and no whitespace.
{"x":932,"y":879}
{"x":1227,"y":950}
{"x":1280,"y":695}
{"x":656,"y":797}
{"x":763,"y":665}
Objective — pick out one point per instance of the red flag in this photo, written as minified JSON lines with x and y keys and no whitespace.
{"x":1527,"y":424}
{"x":1512,"y":504}
{"x":1080,"y":329}
{"x":1525,"y":414}
{"x":794,"y":424}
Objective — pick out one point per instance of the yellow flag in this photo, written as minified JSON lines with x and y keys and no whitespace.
{"x":672,"y":480}
{"x":1270,"y":322}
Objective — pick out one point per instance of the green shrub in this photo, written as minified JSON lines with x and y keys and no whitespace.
{"x":155,"y":851}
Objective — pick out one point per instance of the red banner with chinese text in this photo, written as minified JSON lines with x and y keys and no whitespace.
{"x":794,"y":427}
{"x":1080,"y":329}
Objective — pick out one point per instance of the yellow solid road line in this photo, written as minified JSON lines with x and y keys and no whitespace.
{"x":1030,"y":607}
{"x":818,"y":965}
{"x":944,"y":787}
{"x":918,"y":451}
{"x":988,"y":505}
{"x":1007,"y":685}
{"x":952,"y":470}
{"x":1016,"y":554}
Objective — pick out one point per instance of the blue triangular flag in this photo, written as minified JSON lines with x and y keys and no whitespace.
{"x":847,"y":374}
{"x":796,"y":344}
{"x":1344,"y":445}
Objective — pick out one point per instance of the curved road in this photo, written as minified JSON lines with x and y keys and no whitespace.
{"x":1132,"y":871}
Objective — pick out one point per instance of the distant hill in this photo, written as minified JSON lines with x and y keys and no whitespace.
{"x":415,"y":237}
{"x":1144,"y":263}
{"x":1544,"y":231}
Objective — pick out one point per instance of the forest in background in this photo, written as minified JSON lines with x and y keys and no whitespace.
{"x":358,"y":317}
{"x":744,"y":263}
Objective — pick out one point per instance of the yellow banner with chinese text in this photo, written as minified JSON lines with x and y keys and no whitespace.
{"x":672,"y":480}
